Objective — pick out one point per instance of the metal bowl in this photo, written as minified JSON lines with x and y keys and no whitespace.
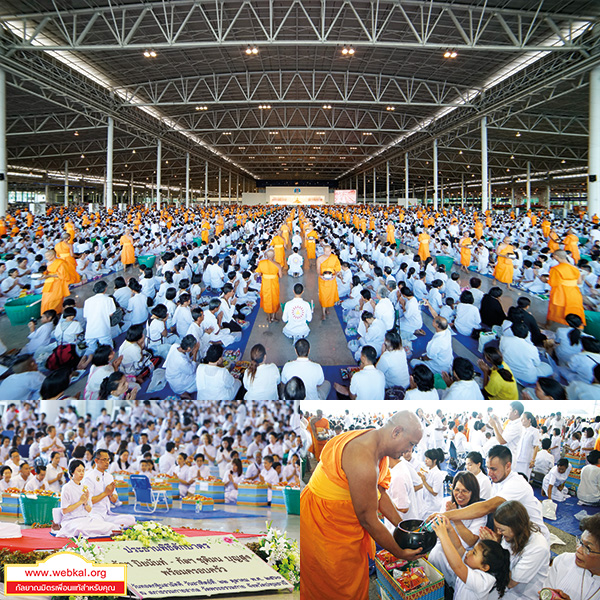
{"x":407,"y":537}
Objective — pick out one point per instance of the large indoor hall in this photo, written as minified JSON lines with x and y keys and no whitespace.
{"x":262,"y":201}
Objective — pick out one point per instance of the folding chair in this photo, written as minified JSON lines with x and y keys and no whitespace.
{"x":144,"y":494}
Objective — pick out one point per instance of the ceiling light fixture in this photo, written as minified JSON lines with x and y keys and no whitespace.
{"x":150,"y":53}
{"x":251,"y":50}
{"x":518,"y":134}
{"x":327,"y":106}
{"x":450,"y":54}
{"x":347,"y":51}
{"x":76,"y":133}
{"x":264,"y":106}
{"x":273,"y":132}
{"x":201,"y":107}
{"x":390,"y":108}
{"x":83,"y":156}
{"x":367,"y":133}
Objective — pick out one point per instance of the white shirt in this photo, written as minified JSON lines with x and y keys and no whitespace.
{"x":589,"y":486}
{"x":514,"y":487}
{"x":96,"y":312}
{"x":529,"y":568}
{"x":467,"y":318}
{"x":394,"y":366}
{"x":97,"y":482}
{"x":375,"y":335}
{"x":528,"y":441}
{"x":215,"y":383}
{"x":368,"y":384}
{"x":485,"y":486}
{"x":385,"y":311}
{"x":521,"y":356}
{"x":310,"y":372}
{"x":463,"y":390}
{"x":180,"y":371}
{"x":512,"y":434}
{"x":439,"y":350}
{"x":477,"y":586}
{"x":166,"y":462}
{"x":544,"y":461}
{"x":297,"y":313}
{"x":264,"y":384}
{"x":566,"y":576}
{"x":25,"y":386}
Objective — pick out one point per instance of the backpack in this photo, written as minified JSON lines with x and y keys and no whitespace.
{"x":63,"y":356}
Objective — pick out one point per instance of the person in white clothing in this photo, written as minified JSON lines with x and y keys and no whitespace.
{"x":76,"y":508}
{"x":295,"y":262}
{"x":461,"y":384}
{"x":23,"y":477}
{"x":54,"y":473}
{"x":438,"y":354}
{"x":97,"y":312}
{"x":553,"y":485}
{"x":433,"y":481}
{"x":183,"y":473}
{"x":474,"y":464}
{"x":467,"y":314}
{"x":374,"y":335}
{"x":180,"y":366}
{"x":506,"y":485}
{"x":588,"y":491}
{"x":465,"y":491}
{"x":212,"y":325}
{"x":38,"y":481}
{"x":411,"y":319}
{"x":297,"y":314}
{"x":269,"y":475}
{"x":368,"y":383}
{"x":233,"y":478}
{"x":310,"y":372}
{"x":477,"y":572}
{"x":513,"y":431}
{"x":577,"y":575}
{"x":544,"y":461}
{"x":261,"y":379}
{"x":102,"y":488}
{"x":529,"y":549}
{"x":528,"y":445}
{"x":393,"y":363}
{"x":213,"y":381}
{"x":384,"y":309}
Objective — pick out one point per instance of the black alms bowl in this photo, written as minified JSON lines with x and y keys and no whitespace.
{"x":406,"y":537}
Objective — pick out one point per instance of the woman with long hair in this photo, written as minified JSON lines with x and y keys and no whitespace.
{"x":224,"y":455}
{"x":233,"y":478}
{"x":261,"y":379}
{"x":529,"y":550}
{"x":465,"y":491}
{"x":474,"y":464}
{"x":433,"y":481}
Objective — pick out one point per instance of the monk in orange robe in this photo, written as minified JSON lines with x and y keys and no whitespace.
{"x":465,"y":252}
{"x":504,"y":269}
{"x":319,"y":432}
{"x":565,"y":295}
{"x":127,"y":251}
{"x":545,"y":228}
{"x":311,"y":244}
{"x":70,"y":229}
{"x":64,"y":251}
{"x":269,"y":287}
{"x":423,"y":251}
{"x":328,"y":266}
{"x":278,"y":244}
{"x":205,"y":229}
{"x":478,"y":230}
{"x":220,"y":225}
{"x":29,"y":219}
{"x":553,"y":242}
{"x":571,"y":243}
{"x":56,"y":286}
{"x":339,"y":506}
{"x":391,"y":234}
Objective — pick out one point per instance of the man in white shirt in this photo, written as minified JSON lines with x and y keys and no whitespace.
{"x":269,"y":475}
{"x":297,"y":314}
{"x":506,"y":485}
{"x":310,"y":372}
{"x":51,"y":443}
{"x":167,"y":461}
{"x":22,"y":478}
{"x":588,"y":491}
{"x":369,"y":382}
{"x":213,"y":381}
{"x":97,"y":311}
{"x":14,"y":461}
{"x":411,"y":319}
{"x":180,"y":366}
{"x":512,"y":432}
{"x":384,"y":309}
{"x":461,"y":384}
{"x":254,"y":469}
{"x":544,"y":461}
{"x":38,"y":481}
{"x":101,"y":485}
{"x":374,"y":335}
{"x":295,"y":262}
{"x":438,"y":354}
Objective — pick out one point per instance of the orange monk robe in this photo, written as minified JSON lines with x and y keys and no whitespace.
{"x":504,"y":267}
{"x":269,"y":287}
{"x":424,"y":246}
{"x":2,"y":227}
{"x":363,"y":225}
{"x":278,"y":244}
{"x":553,"y":242}
{"x":285,"y":234}
{"x":205,"y":228}
{"x":335,"y":547}
{"x":478,"y":229}
{"x":311,"y":244}
{"x":372,"y":224}
{"x":63,"y":251}
{"x":55,"y":289}
{"x":545,"y":228}
{"x":220,"y":225}
{"x":533,"y":220}
{"x":127,"y":252}
{"x":565,"y":295}
{"x":488,"y":221}
{"x":29,"y":219}
{"x":391,"y":234}
{"x":595,"y":219}
{"x":328,"y":289}
{"x":465,"y":251}
{"x":571,"y":243}
{"x":321,"y":426}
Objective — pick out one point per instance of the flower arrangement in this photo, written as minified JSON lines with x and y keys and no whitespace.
{"x":86,"y":549}
{"x":152,"y":532}
{"x":281,"y":553}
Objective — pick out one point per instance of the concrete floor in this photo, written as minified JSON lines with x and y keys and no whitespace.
{"x":279,"y":519}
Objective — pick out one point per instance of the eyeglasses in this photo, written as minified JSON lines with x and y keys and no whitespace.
{"x":586,"y":548}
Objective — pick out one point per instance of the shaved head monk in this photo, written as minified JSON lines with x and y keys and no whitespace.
{"x":338,"y":509}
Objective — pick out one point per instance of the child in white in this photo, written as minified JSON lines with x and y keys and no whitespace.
{"x":481,"y":570}
{"x":554,"y":481}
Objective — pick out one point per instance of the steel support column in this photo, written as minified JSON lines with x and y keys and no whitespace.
{"x":484,"y":165}
{"x":593,"y":205}
{"x":158,"y":167}
{"x":435,"y":174}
